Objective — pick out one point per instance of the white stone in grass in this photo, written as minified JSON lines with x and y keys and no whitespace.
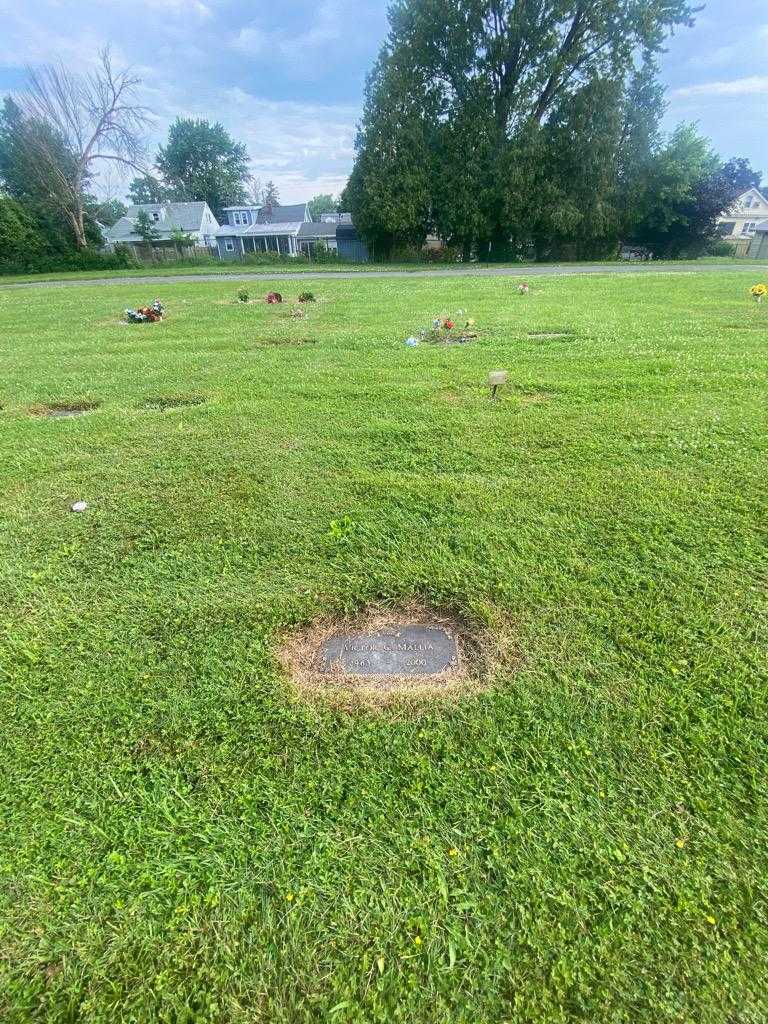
{"x":79,"y":506}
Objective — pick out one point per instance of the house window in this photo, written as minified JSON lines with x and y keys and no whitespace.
{"x":750,"y":201}
{"x":246,"y":217}
{"x":229,"y":245}
{"x":748,"y":228}
{"x":155,"y":217}
{"x":727,"y":227}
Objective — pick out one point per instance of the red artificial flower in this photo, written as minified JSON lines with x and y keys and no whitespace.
{"x":448,"y":324}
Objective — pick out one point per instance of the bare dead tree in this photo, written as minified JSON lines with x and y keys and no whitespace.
{"x":89,"y":118}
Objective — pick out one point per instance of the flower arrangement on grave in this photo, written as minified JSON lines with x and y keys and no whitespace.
{"x":307,"y":297}
{"x":758,"y":292}
{"x":146,"y":314}
{"x":442,"y":328}
{"x":242,"y":295}
{"x":274,"y":297}
{"x":524,"y":288}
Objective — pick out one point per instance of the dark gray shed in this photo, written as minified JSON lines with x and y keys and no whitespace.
{"x":350,"y":245}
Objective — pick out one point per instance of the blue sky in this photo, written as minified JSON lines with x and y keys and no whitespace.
{"x":287,"y":78}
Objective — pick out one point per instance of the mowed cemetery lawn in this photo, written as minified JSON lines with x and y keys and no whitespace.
{"x":183,"y":839}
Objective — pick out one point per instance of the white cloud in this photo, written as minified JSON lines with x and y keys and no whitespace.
{"x":720,"y":56}
{"x":305,"y":148}
{"x":250,"y":40}
{"x":756,"y":85}
{"x":167,"y":7}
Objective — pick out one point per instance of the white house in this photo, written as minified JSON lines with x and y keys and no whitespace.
{"x":738,"y":224}
{"x":194,"y":219}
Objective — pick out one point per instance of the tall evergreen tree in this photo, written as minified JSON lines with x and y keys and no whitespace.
{"x":580,"y":140}
{"x":270,"y":198}
{"x":504,"y":65}
{"x":389,"y":191}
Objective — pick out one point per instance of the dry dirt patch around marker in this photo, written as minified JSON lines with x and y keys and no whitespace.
{"x":299,"y":655}
{"x":63,"y":410}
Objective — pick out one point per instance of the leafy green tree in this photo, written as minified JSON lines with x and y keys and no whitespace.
{"x":202,"y":162}
{"x":147,"y":189}
{"x":506,"y":65}
{"x":181,"y":240}
{"x":71,"y":124}
{"x":20,"y":240}
{"x":685,"y":188}
{"x":26,"y":179}
{"x":320,"y":204}
{"x":109,"y":212}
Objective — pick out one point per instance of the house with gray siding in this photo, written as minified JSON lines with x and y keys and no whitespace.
{"x":758,"y":245}
{"x":194,"y":219}
{"x":282,"y":230}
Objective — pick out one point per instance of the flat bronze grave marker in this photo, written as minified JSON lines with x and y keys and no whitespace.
{"x":403,"y":650}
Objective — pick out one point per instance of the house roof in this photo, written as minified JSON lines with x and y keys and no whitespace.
{"x":283,"y":214}
{"x":762,"y":226}
{"x":754,"y":190}
{"x":186,"y":216}
{"x":259,"y":230}
{"x":323,"y":229}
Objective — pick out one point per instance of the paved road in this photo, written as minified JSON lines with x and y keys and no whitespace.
{"x":542,"y":270}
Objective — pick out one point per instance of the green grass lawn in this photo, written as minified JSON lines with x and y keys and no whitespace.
{"x":183,"y":840}
{"x":292,"y":266}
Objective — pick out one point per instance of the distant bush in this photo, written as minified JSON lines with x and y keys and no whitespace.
{"x":407,"y":254}
{"x":242,"y":295}
{"x":719,"y":247}
{"x":322,"y":254}
{"x":445,"y":254}
{"x":257,"y":259}
{"x":84,"y":259}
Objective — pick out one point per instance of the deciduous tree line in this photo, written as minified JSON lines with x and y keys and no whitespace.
{"x":64,"y":131}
